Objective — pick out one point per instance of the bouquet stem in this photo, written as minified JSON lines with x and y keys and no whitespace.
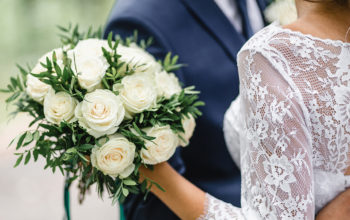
{"x":67,"y":200}
{"x":121,"y":212}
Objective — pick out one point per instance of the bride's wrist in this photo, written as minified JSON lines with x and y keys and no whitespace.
{"x":154,"y":174}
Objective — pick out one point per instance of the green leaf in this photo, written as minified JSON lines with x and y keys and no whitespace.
{"x":19,"y":159}
{"x":62,"y":28}
{"x":27,"y":158}
{"x":36,"y":135}
{"x":5,"y":91}
{"x":10,"y":88}
{"x":19,"y":83}
{"x":28,"y":138}
{"x":117,"y":193}
{"x":167,"y":58}
{"x":125,"y":192}
{"x":13,"y":97}
{"x":82,"y":157}
{"x":57,"y":69}
{"x":71,"y":150}
{"x":134,"y":190}
{"x":142,"y":133}
{"x":88,"y":139}
{"x":135,"y":36}
{"x":72,"y":84}
{"x":74,"y":138}
{"x":146,"y":194}
{"x":141,"y":118}
{"x":175,"y":59}
{"x":105,"y":83}
{"x":22,"y":70}
{"x":13,"y":82}
{"x":12,"y":141}
{"x":85,"y":147}
{"x":158,"y":186}
{"x":198,"y":104}
{"x":20,"y":140}
{"x":35,"y":154}
{"x":143,"y":186}
{"x":51,"y":128}
{"x":36,"y":120}
{"x":129,"y":182}
{"x":61,"y":169}
{"x":110,"y":37}
{"x":116,"y":93}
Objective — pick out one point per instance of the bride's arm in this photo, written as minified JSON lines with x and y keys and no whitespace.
{"x":185,"y":199}
{"x":188,"y":202}
{"x":182,"y":197}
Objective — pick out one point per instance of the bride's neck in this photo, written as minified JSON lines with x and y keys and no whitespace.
{"x":323,"y":18}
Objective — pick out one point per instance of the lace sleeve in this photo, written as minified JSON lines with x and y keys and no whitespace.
{"x":275,"y":145}
{"x":276,"y":149}
{"x":219,"y":210}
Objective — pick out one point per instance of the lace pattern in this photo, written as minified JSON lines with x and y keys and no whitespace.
{"x":216,"y":209}
{"x":293,"y":122}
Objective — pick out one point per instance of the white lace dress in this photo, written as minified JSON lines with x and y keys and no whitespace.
{"x":289,"y":130}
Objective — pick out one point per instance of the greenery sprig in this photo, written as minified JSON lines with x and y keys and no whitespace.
{"x":71,"y":35}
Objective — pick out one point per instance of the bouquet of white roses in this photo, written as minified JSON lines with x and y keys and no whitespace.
{"x":101,"y":109}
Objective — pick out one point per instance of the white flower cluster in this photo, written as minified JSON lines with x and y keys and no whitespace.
{"x":282,"y":11}
{"x":102,"y":111}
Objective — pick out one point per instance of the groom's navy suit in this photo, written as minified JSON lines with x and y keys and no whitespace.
{"x":206,"y":41}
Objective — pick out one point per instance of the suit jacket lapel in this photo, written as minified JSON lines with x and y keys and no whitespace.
{"x":218,"y":25}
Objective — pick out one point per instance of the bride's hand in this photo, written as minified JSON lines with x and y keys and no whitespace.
{"x":337,"y":209}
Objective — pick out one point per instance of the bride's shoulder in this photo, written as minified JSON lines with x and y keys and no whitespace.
{"x":271,"y":38}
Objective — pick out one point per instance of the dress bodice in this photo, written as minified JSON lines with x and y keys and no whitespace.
{"x":289,"y":129}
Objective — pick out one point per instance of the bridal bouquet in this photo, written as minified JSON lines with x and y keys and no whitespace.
{"x":101,"y":109}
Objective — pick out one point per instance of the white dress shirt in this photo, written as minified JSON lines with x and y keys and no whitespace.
{"x":230,"y":9}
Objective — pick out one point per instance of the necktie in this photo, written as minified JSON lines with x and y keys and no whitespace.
{"x":242,"y":7}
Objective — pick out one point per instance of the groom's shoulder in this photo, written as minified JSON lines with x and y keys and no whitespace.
{"x":151,"y":10}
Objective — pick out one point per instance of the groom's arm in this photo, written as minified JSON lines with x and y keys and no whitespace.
{"x":125,"y":26}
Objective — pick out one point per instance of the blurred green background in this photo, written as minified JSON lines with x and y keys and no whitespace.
{"x":28,"y":30}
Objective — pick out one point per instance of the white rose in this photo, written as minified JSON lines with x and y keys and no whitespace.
{"x":138,"y":92}
{"x":36,"y":89}
{"x":188,"y":124}
{"x":138,"y":58}
{"x":115,"y":157}
{"x":90,"y":71}
{"x":59,"y":107}
{"x":282,"y":11}
{"x":162,"y":147}
{"x":167,"y":84}
{"x":88,"y":63}
{"x":38,"y":68}
{"x":100,"y":113}
{"x":90,"y":47}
